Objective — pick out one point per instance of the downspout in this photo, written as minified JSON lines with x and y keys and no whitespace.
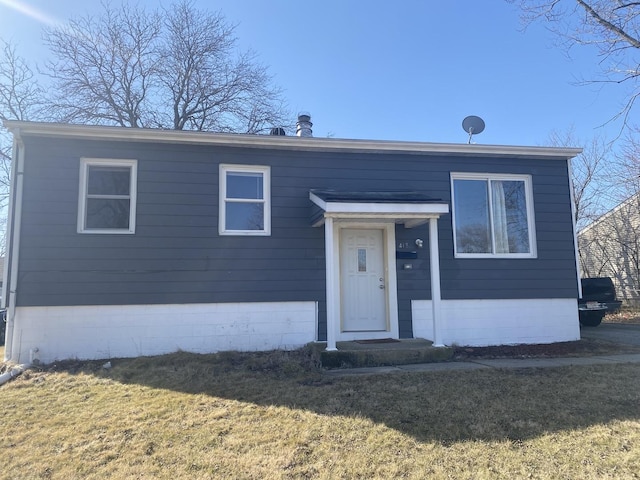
{"x":573,"y":222}
{"x":13,"y":244}
{"x":14,"y":372}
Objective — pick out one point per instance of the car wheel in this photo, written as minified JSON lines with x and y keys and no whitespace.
{"x":591,"y":319}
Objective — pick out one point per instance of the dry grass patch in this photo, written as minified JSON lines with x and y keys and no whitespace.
{"x":275,"y":415}
{"x":623,"y":316}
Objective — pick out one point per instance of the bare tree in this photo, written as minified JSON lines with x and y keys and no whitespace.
{"x":630,"y":163}
{"x":611,"y":247}
{"x":210,"y":87}
{"x":610,"y":26}
{"x":20,"y":95}
{"x":21,"y":98}
{"x":177,"y":69}
{"x":105,"y":67}
{"x":594,"y":173}
{"x":606,"y":189}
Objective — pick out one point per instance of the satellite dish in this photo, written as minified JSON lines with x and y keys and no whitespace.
{"x":473,"y":125}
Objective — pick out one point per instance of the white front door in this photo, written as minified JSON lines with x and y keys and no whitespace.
{"x":363,"y":282}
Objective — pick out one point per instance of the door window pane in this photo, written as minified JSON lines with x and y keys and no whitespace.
{"x":362,"y":260}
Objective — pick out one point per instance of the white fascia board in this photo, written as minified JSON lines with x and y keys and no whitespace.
{"x":399,"y":218}
{"x":408,"y":219}
{"x":318,"y":201}
{"x":95,"y":132}
{"x":398,"y":209}
{"x":419,"y":210}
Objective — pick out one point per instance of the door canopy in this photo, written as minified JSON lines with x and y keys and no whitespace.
{"x":404,"y":207}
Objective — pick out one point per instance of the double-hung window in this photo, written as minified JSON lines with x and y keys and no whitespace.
{"x":245,"y":200}
{"x":493,"y":215}
{"x":107,"y":197}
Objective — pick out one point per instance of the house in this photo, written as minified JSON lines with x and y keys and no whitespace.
{"x":610,"y":247}
{"x":126,"y":242}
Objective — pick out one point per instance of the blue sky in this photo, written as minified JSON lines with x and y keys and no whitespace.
{"x":409,"y":70}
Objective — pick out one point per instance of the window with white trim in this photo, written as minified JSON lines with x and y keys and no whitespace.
{"x":245,"y":200}
{"x":492,"y":215}
{"x":107,"y":197}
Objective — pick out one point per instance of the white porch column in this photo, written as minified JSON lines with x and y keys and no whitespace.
{"x":332,"y":319}
{"x":434,"y":263}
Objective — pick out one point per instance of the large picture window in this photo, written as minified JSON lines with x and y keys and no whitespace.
{"x":107,"y":200}
{"x":493,"y":215}
{"x":245,"y":205}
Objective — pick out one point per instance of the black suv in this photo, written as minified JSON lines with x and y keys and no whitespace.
{"x":598,"y":298}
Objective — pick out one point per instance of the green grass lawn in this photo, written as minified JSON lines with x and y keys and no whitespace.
{"x":274,"y":415}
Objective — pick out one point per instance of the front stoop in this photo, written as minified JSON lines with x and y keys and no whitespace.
{"x":403,"y":352}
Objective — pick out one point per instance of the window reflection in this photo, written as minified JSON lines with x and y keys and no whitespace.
{"x":107,"y":213}
{"x":491,"y":216}
{"x":108,"y":180}
{"x":473,"y":233}
{"x":244,"y":185}
{"x":245,"y":216}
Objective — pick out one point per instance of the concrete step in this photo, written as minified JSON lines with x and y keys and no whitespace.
{"x":376,"y":353}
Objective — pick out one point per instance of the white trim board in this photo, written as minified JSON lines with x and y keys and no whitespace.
{"x":84,"y":195}
{"x":499,"y":322}
{"x":265,"y":201}
{"x":100,"y":332}
{"x":95,"y":132}
{"x":334,"y":291}
{"x":488,"y":178}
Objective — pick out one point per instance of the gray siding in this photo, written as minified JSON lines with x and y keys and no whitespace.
{"x":177,"y":256}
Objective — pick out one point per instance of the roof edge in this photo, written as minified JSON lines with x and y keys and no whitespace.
{"x":97,"y":132}
{"x":609,"y":213}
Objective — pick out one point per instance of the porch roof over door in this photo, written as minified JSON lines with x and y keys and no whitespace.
{"x":410,"y":208}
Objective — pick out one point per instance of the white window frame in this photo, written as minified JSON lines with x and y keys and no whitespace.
{"x":85,"y":163}
{"x":266,"y":201}
{"x":530,"y":214}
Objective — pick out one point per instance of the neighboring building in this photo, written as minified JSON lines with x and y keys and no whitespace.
{"x":610,"y":247}
{"x":126,"y":242}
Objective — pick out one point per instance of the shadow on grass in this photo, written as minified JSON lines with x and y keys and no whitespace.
{"x":445,"y":407}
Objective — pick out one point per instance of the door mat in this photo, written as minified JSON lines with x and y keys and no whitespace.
{"x":378,"y":340}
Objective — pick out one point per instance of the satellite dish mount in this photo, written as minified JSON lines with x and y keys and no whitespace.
{"x":473,"y":125}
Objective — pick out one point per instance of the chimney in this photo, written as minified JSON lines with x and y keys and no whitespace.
{"x":303,"y":126}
